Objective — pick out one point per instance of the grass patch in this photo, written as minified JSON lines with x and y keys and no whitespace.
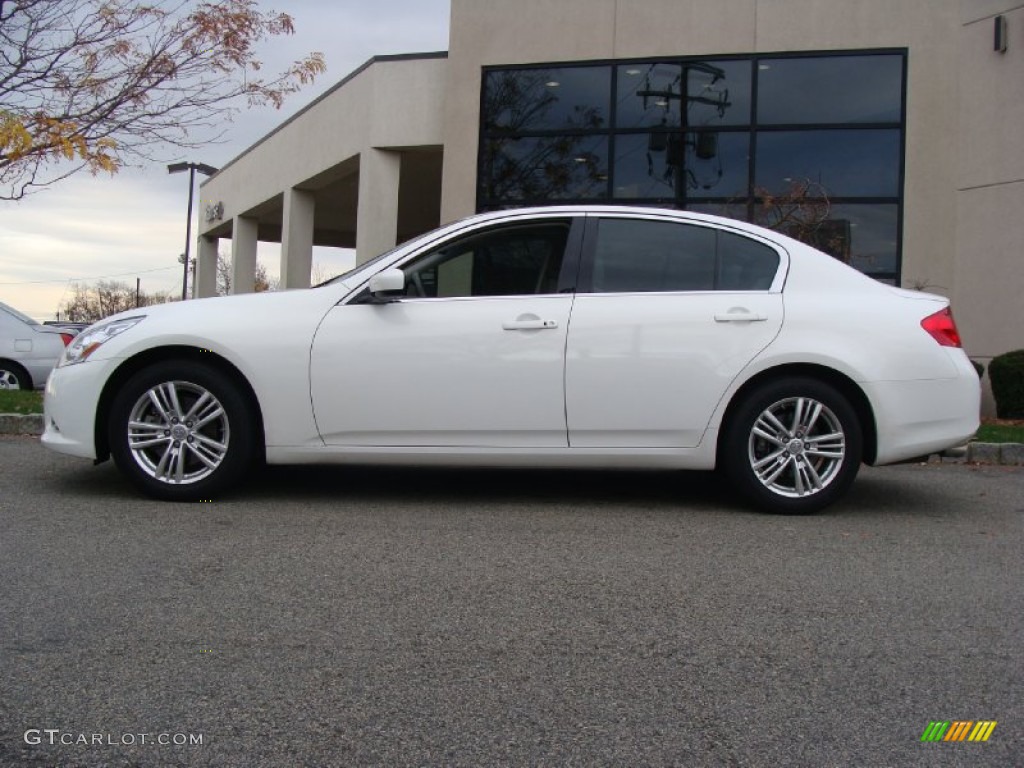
{"x":20,"y":401}
{"x":996,"y":432}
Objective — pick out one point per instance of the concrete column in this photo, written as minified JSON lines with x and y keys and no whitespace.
{"x":206,"y":267}
{"x":377,"y":217}
{"x":243,"y":254}
{"x":297,"y":238}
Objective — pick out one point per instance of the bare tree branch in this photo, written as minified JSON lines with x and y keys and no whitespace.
{"x":98,"y":84}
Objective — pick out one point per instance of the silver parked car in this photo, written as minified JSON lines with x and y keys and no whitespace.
{"x":28,"y":349}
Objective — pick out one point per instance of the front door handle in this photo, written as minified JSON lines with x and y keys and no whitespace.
{"x":529,"y":324}
{"x":738,"y":315}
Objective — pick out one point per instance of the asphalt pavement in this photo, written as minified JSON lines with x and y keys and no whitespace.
{"x":388,"y":617}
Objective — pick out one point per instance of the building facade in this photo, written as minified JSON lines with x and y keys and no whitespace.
{"x":885,"y":133}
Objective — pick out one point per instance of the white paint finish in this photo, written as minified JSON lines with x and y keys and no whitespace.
{"x":377,"y":216}
{"x":35,"y":347}
{"x":243,"y":254}
{"x":71,"y":399}
{"x":647,"y":370}
{"x":297,"y":238}
{"x":205,"y":283}
{"x":442,"y":372}
{"x":441,"y":381}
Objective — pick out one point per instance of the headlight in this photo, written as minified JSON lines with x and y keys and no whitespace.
{"x":89,"y":340}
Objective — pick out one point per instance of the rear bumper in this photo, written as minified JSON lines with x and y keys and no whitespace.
{"x":917,"y":418}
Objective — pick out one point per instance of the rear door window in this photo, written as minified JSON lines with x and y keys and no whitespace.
{"x":645,"y":255}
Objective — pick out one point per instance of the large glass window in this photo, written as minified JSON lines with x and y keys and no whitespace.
{"x":811,"y":145}
{"x":843,"y":163}
{"x":543,"y":168}
{"x":830,"y":89}
{"x":693,"y":93}
{"x":546,"y":99}
{"x":706,"y":163}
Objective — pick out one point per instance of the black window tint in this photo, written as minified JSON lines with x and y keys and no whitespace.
{"x":744,"y":264}
{"x":505,"y":262}
{"x":654,"y":94}
{"x":841,"y":163}
{"x":546,"y":99}
{"x":674,"y":166}
{"x":836,"y":89}
{"x":546,"y":168}
{"x":638,"y":255}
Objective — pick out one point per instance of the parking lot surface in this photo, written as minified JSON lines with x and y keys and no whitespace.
{"x":351,"y":617}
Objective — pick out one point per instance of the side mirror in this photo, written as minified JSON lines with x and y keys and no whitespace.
{"x":387,"y":286}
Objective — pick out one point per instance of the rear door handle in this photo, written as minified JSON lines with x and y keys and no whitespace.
{"x":739,"y":316}
{"x":529,"y":324}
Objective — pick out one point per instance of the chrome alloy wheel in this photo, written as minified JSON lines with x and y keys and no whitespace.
{"x":796,"y":447}
{"x":178,"y":432}
{"x":8,"y":380}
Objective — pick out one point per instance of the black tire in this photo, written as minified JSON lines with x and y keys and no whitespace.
{"x":13,"y":376}
{"x":792,"y":466}
{"x":191,"y":450}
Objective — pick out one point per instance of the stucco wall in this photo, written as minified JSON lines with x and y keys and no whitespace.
{"x":392,"y":102}
{"x":989,"y":297}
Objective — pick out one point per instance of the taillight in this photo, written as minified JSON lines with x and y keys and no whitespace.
{"x":942,"y":328}
{"x":66,"y":338}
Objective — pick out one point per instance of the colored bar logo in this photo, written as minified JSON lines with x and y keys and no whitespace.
{"x":958,"y":730}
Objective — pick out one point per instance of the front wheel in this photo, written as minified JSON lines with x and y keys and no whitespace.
{"x":181,"y":431}
{"x":793,"y":446}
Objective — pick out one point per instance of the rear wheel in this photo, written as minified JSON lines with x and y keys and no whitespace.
{"x":13,"y":377}
{"x":182,"y":431}
{"x":793,"y":446}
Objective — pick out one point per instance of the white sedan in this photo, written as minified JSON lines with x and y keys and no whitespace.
{"x":28,"y":349}
{"x":571,"y":336}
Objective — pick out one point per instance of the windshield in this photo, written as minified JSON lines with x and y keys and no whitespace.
{"x":12,"y":311}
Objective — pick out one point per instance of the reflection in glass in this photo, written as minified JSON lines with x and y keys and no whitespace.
{"x":684,"y":131}
{"x":850,"y":163}
{"x":731,"y":209}
{"x":546,"y":168}
{"x":830,"y":89}
{"x":872,"y":232}
{"x":678,"y":165}
{"x":555,"y":98}
{"x":715,"y":93}
{"x":863,"y":235}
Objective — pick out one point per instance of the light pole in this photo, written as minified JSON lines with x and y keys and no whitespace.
{"x":207,"y":170}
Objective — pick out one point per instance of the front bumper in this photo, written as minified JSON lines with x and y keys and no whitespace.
{"x":70,"y":405}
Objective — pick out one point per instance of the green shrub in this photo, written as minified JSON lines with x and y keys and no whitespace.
{"x":979,"y":367}
{"x":1006,"y":372}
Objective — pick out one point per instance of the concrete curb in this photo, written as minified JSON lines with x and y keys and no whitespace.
{"x":18,"y":424}
{"x":972,"y":453}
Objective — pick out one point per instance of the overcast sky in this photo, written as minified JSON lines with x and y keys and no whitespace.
{"x":133,"y":225}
